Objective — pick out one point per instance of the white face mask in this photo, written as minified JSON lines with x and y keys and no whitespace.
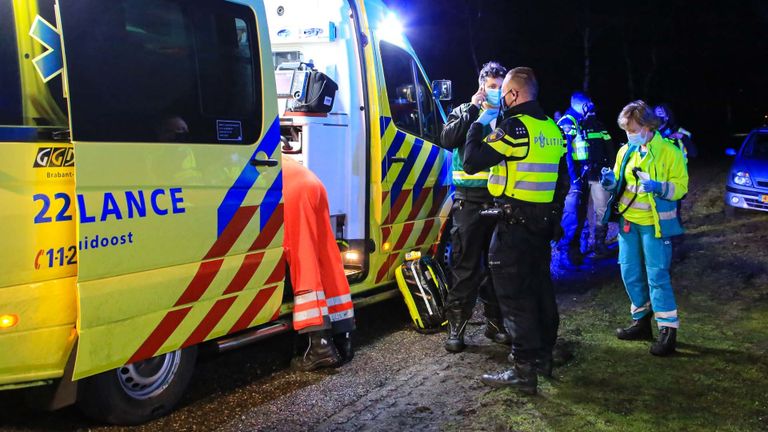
{"x":636,"y":138}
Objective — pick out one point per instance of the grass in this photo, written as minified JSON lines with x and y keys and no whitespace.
{"x":718,"y":380}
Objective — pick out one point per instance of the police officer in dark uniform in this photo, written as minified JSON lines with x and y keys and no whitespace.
{"x":470,"y":236}
{"x":525,"y":155}
{"x":589,"y":150}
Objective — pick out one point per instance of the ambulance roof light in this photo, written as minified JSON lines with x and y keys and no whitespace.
{"x":391,"y":29}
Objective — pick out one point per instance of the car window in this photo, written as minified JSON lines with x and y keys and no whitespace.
{"x":756,"y":147}
{"x":162,"y":71}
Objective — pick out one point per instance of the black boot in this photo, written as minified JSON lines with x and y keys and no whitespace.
{"x":543,"y":364}
{"x":601,"y":250}
{"x":495,"y":331}
{"x":666,"y":343}
{"x":638,"y":330}
{"x":343,"y":342}
{"x":456,"y":326}
{"x":320,"y":353}
{"x":522,"y":377}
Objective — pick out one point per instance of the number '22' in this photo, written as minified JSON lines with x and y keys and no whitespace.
{"x":62,"y":216}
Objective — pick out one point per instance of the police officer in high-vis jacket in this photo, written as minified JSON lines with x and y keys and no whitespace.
{"x":470,"y":236}
{"x":589,"y":150}
{"x":525,"y":156}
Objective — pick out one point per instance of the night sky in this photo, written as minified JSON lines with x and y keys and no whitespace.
{"x":708,"y":59}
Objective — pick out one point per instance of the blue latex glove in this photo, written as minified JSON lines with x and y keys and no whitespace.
{"x":607,"y":179}
{"x":487,"y":117}
{"x":650,"y":186}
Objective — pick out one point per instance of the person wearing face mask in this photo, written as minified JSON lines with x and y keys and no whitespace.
{"x":648,"y":179}
{"x":529,"y":181}
{"x":589,"y":149}
{"x":470,"y":236}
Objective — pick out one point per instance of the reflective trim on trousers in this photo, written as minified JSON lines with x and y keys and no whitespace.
{"x":309,"y":314}
{"x":537,"y":167}
{"x":639,"y":309}
{"x":310,"y":297}
{"x":333,"y":301}
{"x":535,"y":186}
{"x":338,"y":316}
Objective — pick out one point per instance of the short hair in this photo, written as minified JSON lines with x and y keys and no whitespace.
{"x":491,"y":69}
{"x":580,"y":98}
{"x":641,"y":113}
{"x":525,"y":79}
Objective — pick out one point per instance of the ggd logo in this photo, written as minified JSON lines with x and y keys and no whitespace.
{"x":54,"y":157}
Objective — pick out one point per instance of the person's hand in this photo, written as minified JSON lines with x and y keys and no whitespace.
{"x":479,"y":97}
{"x":607,"y":179}
{"x":487,"y":117}
{"x":676,"y":135}
{"x":650,"y":186}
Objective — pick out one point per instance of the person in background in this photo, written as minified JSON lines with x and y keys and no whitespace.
{"x":682,"y":139}
{"x":589,"y":149}
{"x":672,"y":132}
{"x":648,"y":179}
{"x":322,"y":304}
{"x":470,"y":236}
{"x":525,"y":156}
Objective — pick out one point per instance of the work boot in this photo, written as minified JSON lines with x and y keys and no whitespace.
{"x":343,"y":342}
{"x":320,"y":353}
{"x":601,"y":250}
{"x":569,"y":261}
{"x":543,"y":364}
{"x":456,"y":326}
{"x":495,"y":331}
{"x":522,"y":377}
{"x":638,"y":330}
{"x":666,"y":343}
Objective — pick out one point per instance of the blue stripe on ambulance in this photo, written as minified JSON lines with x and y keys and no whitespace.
{"x":397,"y":143}
{"x":425,"y":172}
{"x":248,"y":176}
{"x":405,"y":172}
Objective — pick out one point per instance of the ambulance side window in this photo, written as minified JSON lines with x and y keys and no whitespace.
{"x":162,"y":71}
{"x":412,"y":107}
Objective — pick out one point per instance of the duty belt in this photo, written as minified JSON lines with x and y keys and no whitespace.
{"x":506,"y":212}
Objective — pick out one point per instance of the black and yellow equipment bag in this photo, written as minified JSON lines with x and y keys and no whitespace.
{"x":425,"y":291}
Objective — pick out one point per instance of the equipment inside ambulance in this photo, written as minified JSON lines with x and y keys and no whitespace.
{"x":141,"y":184}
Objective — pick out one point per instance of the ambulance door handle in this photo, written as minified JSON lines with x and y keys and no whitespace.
{"x":264,"y":162}
{"x":395,"y":160}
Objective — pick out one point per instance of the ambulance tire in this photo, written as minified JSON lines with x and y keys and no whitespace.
{"x":139,"y":392}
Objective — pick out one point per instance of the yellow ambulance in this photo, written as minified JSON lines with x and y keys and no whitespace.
{"x":141,"y":187}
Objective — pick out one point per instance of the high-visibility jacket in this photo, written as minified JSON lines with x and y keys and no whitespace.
{"x":320,"y":286}
{"x":453,"y":138}
{"x":529,"y":171}
{"x":665,"y":164}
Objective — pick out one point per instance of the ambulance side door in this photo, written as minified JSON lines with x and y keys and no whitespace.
{"x":415,"y":171}
{"x":178,"y":174}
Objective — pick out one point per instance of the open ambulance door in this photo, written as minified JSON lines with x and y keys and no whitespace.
{"x":178,"y":177}
{"x":415,"y":171}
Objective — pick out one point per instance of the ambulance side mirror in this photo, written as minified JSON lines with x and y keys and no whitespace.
{"x":442,"y":89}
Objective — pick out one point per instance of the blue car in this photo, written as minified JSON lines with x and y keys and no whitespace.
{"x":747,"y":185}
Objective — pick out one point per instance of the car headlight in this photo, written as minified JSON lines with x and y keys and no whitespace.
{"x":742,"y":178}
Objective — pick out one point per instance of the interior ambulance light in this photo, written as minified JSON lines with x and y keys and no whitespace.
{"x":391,"y":29}
{"x":8,"y":321}
{"x":352,"y":256}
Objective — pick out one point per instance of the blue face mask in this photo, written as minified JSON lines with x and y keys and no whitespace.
{"x":492,"y":96}
{"x":636,"y":139}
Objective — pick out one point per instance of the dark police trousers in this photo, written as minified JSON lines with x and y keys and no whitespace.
{"x":519,"y":259}
{"x":470,"y":237}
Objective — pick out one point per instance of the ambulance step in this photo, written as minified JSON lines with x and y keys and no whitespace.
{"x":251,"y":336}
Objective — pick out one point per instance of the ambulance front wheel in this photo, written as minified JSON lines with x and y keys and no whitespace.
{"x":138,"y":392}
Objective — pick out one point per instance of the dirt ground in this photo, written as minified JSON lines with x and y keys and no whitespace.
{"x":402,"y":380}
